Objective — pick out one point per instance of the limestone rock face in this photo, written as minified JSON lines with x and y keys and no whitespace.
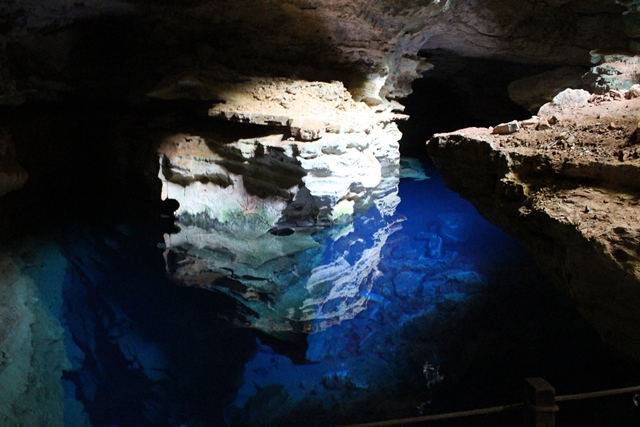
{"x":318,"y":140}
{"x":566,"y":185}
{"x":534,"y":91}
{"x":255,"y":212}
{"x":125,"y":48}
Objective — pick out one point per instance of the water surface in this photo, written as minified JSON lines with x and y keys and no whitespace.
{"x":452,"y":315}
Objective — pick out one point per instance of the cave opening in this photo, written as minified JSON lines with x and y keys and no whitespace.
{"x":460,"y":92}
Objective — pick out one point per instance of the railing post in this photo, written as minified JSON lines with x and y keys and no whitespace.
{"x":540,"y":403}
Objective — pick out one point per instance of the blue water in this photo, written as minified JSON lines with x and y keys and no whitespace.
{"x":455,"y":316}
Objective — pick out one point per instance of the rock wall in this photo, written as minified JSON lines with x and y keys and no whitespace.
{"x":32,"y":354}
{"x":315,"y":157}
{"x":312,"y":86}
{"x":122,"y":49}
{"x":251,"y":208}
{"x":565,"y":183}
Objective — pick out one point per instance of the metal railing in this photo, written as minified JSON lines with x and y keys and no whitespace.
{"x":539,"y":406}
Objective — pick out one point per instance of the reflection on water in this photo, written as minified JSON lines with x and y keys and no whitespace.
{"x":420,"y":306}
{"x":433,"y":274}
{"x":289,"y":280}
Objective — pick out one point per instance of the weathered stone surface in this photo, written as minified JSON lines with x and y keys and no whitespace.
{"x":633,"y":92}
{"x":32,"y":353}
{"x":307,"y":129}
{"x":571,"y":98}
{"x":567,"y":193}
{"x":495,"y":26}
{"x":532,"y":92}
{"x":224,"y":181}
{"x":618,"y":74}
{"x":114,"y":48}
{"x":506,"y":128}
{"x":566,"y":99}
{"x":302,"y":106}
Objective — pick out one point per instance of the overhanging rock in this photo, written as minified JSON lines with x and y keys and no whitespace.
{"x":568,"y":191}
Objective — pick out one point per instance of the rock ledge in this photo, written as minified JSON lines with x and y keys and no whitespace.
{"x":566,"y":185}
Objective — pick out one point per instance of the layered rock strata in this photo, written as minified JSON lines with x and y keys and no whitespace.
{"x":250,"y":209}
{"x":566,"y":184}
{"x":318,"y":155}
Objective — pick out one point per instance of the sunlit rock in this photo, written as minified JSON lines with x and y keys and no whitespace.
{"x":257,"y":214}
{"x":228,"y":186}
{"x":319,"y":138}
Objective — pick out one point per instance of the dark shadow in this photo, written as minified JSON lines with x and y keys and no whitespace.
{"x":460,"y":92}
{"x":123,"y":52}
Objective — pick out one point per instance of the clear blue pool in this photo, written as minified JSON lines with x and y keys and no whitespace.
{"x":456,"y":316}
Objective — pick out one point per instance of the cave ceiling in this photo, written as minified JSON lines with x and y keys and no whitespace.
{"x":123,"y":49}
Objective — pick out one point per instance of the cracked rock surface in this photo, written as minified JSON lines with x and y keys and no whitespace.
{"x":566,"y":184}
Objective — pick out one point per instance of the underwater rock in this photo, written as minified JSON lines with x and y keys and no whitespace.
{"x":300,"y":282}
{"x":410,"y":251}
{"x":341,"y":380}
{"x":408,"y":283}
{"x":455,"y":227}
{"x":465,"y":277}
{"x":32,"y":356}
{"x":264,"y":408}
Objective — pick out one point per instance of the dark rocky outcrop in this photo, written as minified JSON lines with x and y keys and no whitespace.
{"x":118,"y":49}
